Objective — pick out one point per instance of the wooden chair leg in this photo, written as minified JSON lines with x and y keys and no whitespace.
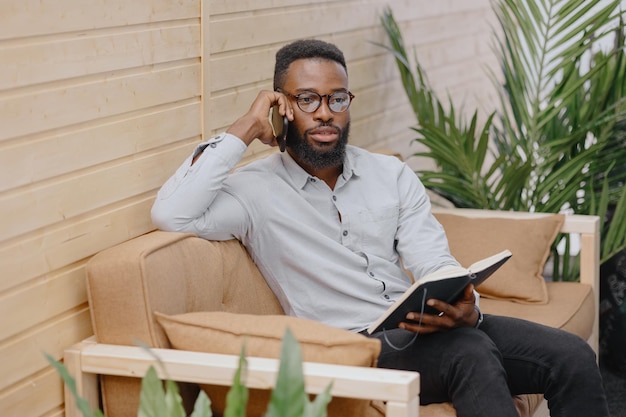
{"x":86,"y":383}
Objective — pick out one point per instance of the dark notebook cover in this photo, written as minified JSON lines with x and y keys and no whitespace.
{"x":445,"y":285}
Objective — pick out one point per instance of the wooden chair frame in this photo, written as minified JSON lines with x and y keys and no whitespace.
{"x":88,"y":359}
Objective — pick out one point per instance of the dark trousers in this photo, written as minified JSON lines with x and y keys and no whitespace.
{"x":478,"y":370}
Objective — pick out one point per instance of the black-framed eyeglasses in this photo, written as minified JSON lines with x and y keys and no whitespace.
{"x":310,"y":101}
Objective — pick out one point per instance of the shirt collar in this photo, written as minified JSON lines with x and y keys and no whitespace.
{"x":300,"y":177}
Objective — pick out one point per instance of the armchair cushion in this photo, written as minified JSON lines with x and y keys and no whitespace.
{"x":521,"y":278}
{"x":223,"y":332}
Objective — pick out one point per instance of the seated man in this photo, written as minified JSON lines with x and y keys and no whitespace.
{"x":327,"y":224}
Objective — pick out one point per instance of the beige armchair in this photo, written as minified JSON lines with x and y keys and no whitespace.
{"x":177,"y":274}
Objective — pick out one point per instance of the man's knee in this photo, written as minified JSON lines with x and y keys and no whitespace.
{"x":575,"y":350}
{"x":472,"y":348}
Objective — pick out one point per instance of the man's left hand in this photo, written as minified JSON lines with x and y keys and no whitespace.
{"x":461,"y":314}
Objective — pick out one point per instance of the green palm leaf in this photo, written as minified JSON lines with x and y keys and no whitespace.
{"x":562,"y":110}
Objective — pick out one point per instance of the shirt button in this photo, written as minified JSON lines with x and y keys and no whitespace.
{"x":345,"y":233}
{"x":213,"y":145}
{"x":371,"y":274}
{"x":386,"y":296}
{"x":334,"y":198}
{"x":312,"y":179}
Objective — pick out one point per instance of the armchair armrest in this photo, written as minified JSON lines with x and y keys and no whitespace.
{"x":88,"y":359}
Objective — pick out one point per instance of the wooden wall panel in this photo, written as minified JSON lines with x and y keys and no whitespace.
{"x":36,"y":303}
{"x":42,"y":205}
{"x":24,"y":354}
{"x":220,"y":7}
{"x":118,"y":93}
{"x":45,"y":59}
{"x":287,"y":24}
{"x":100,"y":102}
{"x":29,"y":18}
{"x":31,"y":257}
{"x":37,"y":395}
{"x":41,"y":156}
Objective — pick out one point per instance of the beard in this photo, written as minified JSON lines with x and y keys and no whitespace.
{"x":316,"y":158}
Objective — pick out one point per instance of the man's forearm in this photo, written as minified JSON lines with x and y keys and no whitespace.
{"x":188,"y":194}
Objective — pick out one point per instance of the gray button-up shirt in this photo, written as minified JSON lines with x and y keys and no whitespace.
{"x":328,"y":255}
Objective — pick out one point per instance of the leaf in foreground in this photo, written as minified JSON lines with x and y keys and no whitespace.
{"x":237,"y":397}
{"x":81,"y":403}
{"x":152,"y":398}
{"x":289,"y":398}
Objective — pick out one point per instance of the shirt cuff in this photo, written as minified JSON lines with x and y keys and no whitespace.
{"x":223,"y":140}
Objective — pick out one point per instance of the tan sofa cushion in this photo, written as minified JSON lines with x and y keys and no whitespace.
{"x":521,"y":278}
{"x":221,"y":332}
{"x":571,"y":308}
{"x":173,"y":273}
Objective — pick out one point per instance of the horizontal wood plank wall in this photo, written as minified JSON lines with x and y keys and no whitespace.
{"x":91,"y":94}
{"x":100,"y":102}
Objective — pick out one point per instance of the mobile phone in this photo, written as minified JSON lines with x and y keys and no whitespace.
{"x":279,"y":127}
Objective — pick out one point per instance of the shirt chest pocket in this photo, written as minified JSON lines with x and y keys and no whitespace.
{"x":378,"y":230}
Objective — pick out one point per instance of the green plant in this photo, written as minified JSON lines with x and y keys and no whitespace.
{"x":459,"y":149}
{"x":553,"y":143}
{"x":158,"y":399}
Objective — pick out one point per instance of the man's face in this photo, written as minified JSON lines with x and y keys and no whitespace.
{"x":317,"y":140}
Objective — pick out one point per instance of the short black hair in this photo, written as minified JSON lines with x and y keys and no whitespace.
{"x":304,"y":49}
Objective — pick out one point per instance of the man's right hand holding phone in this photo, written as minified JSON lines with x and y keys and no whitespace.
{"x":255,"y":124}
